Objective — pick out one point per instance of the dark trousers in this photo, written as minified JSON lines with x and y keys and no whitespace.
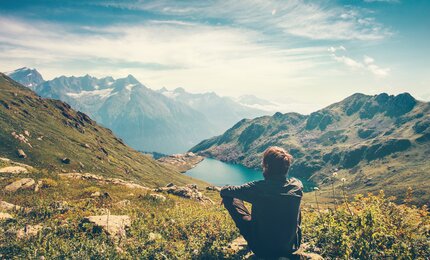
{"x":241,"y":217}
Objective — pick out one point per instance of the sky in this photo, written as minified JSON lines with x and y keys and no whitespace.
{"x":303,"y":54}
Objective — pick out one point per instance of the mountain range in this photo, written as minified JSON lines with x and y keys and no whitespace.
{"x":49,"y":134}
{"x":155,"y":121}
{"x":372,"y":141}
{"x":222,"y":112}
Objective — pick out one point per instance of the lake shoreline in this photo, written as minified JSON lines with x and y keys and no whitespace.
{"x":221,"y":173}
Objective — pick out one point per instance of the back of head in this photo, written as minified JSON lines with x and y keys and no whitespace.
{"x":276,"y":162}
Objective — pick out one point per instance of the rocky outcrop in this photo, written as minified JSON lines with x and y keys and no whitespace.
{"x":5,"y":216}
{"x":239,"y":248}
{"x":213,"y":188}
{"x":22,"y":184}
{"x":114,"y":225}
{"x":13,"y":169}
{"x":22,"y":138}
{"x":12,"y":163}
{"x":157,"y":197}
{"x":29,"y":231}
{"x":21,"y":154}
{"x":5,"y":206}
{"x":182,"y":162}
{"x":189,"y":191}
{"x":103,"y":180}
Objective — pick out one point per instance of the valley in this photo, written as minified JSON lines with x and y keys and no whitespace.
{"x":67,"y":180}
{"x":148,"y":120}
{"x":373,"y":142}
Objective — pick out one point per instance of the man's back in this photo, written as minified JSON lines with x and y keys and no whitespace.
{"x":275,"y":219}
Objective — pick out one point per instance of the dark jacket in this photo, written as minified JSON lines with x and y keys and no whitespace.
{"x":275,"y":216}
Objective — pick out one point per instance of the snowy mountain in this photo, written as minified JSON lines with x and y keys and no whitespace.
{"x":156,"y":121}
{"x":223,"y":112}
{"x":145,"y":119}
{"x":28,"y":77}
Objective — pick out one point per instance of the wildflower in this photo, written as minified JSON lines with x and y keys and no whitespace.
{"x":343,"y":179}
{"x":334,"y":174}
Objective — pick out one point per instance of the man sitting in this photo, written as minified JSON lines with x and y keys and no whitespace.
{"x":273,"y":228}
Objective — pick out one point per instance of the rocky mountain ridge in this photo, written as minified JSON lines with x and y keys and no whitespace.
{"x":153,"y":121}
{"x":50,"y":135}
{"x":359,"y":136}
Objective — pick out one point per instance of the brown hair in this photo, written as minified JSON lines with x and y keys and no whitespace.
{"x":276,"y":162}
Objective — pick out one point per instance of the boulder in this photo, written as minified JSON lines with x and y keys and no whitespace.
{"x":38,"y":186}
{"x":29,"y":231}
{"x":5,"y":216}
{"x":21,"y":154}
{"x":13,"y":169}
{"x":65,"y":160}
{"x":158,"y":197}
{"x":192,"y":186}
{"x":213,"y":188}
{"x":238,"y":244}
{"x":22,"y":184}
{"x":103,"y":195}
{"x":114,"y":225}
{"x":8,"y":206}
{"x":96,"y":194}
{"x":189,"y":192}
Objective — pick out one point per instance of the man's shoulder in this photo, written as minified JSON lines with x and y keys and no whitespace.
{"x":295,"y":187}
{"x":295,"y":182}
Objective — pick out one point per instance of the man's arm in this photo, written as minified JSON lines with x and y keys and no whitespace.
{"x":247,"y":192}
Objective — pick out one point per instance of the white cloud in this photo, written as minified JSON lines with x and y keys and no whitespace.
{"x":198,"y":57}
{"x":253,"y":49}
{"x":368,"y":60}
{"x":367,"y":64}
{"x":311,"y":19}
{"x":334,"y":49}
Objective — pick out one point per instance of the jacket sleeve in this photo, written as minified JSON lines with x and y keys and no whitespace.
{"x":247,"y":192}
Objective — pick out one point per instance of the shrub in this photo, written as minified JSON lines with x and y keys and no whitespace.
{"x":370,"y":227}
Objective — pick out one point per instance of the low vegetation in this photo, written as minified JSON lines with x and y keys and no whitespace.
{"x":365,"y":227}
{"x":371,"y":227}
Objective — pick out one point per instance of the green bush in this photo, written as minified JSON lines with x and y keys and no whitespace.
{"x":370,"y":227}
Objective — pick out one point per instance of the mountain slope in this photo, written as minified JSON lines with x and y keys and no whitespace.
{"x":376,"y":141}
{"x":145,"y":119}
{"x":57,"y":138}
{"x":28,"y":77}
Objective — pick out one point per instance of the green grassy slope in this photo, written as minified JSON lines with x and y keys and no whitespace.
{"x":373,"y":142}
{"x":56,"y":131}
{"x":177,"y":228}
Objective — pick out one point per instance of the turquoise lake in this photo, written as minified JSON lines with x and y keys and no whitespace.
{"x":221,"y":173}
